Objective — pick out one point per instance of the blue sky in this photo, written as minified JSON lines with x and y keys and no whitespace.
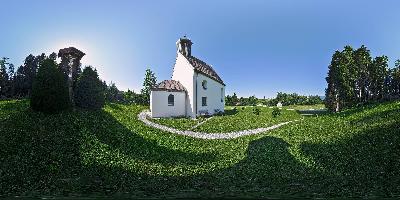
{"x":257,"y":47}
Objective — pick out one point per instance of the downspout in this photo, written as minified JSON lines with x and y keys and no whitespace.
{"x":196,"y":95}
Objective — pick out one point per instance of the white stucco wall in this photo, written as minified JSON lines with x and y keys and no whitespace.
{"x":184,"y":73}
{"x":159,"y":104}
{"x":213,"y":94}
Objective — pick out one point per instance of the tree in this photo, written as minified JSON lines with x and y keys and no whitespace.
{"x":353,"y":79}
{"x":252,"y":100}
{"x":378,"y":72}
{"x":112,"y":93}
{"x":49,"y":90}
{"x":235,"y":99}
{"x":332,"y":91}
{"x":129,"y":96}
{"x":231,"y":100}
{"x":363,"y":60}
{"x":11,"y":80}
{"x":4,"y":79}
{"x":53,"y":56}
{"x":347,"y":77}
{"x":89,"y":92}
{"x":25,"y":75}
{"x":150,"y":81}
{"x":395,"y":80}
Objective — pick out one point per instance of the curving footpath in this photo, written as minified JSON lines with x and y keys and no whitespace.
{"x":208,"y":136}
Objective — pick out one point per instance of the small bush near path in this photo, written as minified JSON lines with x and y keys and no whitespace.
{"x":276,"y":112}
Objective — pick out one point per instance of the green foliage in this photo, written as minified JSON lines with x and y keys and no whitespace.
{"x":378,"y":72}
{"x":26,"y":74}
{"x":4,"y":78}
{"x":112,"y":93}
{"x":252,"y":101}
{"x":394,"y":81}
{"x":276,"y":112}
{"x":49,"y":91}
{"x":149,"y":82}
{"x":110,"y":153}
{"x":129,"y":96}
{"x":354,"y":78}
{"x":231,"y":100}
{"x":89,"y":92}
{"x":295,"y":99}
{"x":256,"y":110}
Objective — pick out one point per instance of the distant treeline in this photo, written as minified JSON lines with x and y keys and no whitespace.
{"x":355,"y":78}
{"x":284,"y":98}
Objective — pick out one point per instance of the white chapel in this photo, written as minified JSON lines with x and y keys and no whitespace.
{"x":195,"y":88}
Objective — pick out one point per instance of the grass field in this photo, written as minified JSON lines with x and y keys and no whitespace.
{"x":305,"y":107}
{"x":245,"y":118}
{"x":84,"y":153}
{"x":233,"y":120}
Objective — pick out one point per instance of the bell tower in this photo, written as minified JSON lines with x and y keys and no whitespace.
{"x":184,"y":46}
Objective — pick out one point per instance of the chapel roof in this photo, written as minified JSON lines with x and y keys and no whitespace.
{"x":204,"y":68}
{"x":170,"y":86}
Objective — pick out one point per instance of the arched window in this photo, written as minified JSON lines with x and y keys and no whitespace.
{"x":204,"y":84}
{"x":170,"y":100}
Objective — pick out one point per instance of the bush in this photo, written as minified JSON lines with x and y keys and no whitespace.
{"x":89,"y":92}
{"x":49,"y":90}
{"x":276,"y":112}
{"x":256,"y":111}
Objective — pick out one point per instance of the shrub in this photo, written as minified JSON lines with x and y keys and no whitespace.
{"x":256,"y":111}
{"x":89,"y":92}
{"x":276,"y":112}
{"x":49,"y":90}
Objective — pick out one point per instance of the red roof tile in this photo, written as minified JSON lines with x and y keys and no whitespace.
{"x":169,"y":85}
{"x":203,"y":68}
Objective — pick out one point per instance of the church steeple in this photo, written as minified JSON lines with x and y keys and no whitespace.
{"x":184,"y":46}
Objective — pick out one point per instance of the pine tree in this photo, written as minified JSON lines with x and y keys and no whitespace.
{"x":363,"y":61}
{"x":378,"y":72}
{"x":395,"y":80}
{"x":11,"y":80}
{"x":4,"y":79}
{"x":150,"y":81}
{"x":347,"y":77}
{"x":25,"y":76}
{"x":50,"y":90}
{"x":332,"y":101}
{"x":53,"y":56}
{"x":89,"y":92}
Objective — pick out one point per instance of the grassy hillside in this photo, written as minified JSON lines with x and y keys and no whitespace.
{"x":241,"y":118}
{"x":109,"y":152}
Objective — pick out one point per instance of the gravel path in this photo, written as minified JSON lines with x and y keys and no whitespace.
{"x":199,"y":124}
{"x":208,"y":136}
